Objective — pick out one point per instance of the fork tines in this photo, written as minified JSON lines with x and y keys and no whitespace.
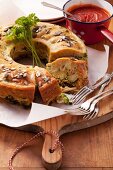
{"x":79,"y":97}
{"x":89,"y":106}
{"x":86,"y":90}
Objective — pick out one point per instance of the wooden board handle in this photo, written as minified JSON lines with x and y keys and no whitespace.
{"x":51,"y":161}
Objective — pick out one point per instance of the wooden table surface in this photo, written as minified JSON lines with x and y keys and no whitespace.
{"x":86,"y":149}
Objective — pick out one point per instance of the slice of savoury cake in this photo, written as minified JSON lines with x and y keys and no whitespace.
{"x":69,"y":72}
{"x":17,"y":84}
{"x":48,"y":86}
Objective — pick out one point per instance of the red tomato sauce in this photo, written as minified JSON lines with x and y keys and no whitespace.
{"x":89,"y":13}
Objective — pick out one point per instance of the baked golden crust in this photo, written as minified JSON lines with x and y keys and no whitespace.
{"x":17,"y":81}
{"x":58,"y":42}
{"x":20,"y":94}
{"x":48,"y":86}
{"x":69,"y":72}
{"x":17,"y":84}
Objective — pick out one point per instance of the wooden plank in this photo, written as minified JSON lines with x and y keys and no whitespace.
{"x":59,"y":169}
{"x":92,"y":147}
{"x":107,"y":168}
{"x":29,"y":157}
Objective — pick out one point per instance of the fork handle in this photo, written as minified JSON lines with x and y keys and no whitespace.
{"x":102,"y":82}
{"x":88,"y":103}
{"x":94,"y":102}
{"x":99,"y":95}
{"x":103,"y":87}
{"x":100,"y":91}
{"x":100,"y":98}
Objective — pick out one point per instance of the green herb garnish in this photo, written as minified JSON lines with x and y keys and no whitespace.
{"x":22,"y":32}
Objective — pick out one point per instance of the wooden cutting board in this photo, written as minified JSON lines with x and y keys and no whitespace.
{"x":68,"y":123}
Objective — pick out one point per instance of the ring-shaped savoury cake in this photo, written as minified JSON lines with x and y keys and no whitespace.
{"x":18,"y":82}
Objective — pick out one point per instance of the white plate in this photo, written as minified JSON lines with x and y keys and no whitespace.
{"x":44,"y":13}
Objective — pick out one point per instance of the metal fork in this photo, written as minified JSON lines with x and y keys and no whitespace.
{"x":95,"y":112}
{"x":90,"y":104}
{"x":86,"y":90}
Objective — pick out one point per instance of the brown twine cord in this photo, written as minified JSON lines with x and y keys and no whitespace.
{"x":52,"y":149}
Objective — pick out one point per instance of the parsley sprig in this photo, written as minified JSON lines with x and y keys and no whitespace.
{"x":22,"y":32}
